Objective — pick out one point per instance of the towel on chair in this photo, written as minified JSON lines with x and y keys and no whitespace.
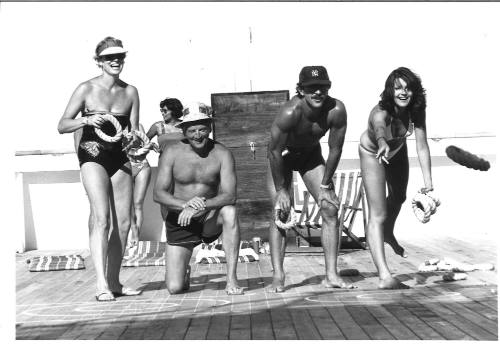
{"x":145,"y":253}
{"x":48,"y":263}
{"x":213,"y":253}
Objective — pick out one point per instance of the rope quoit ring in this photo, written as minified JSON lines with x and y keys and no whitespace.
{"x":142,"y":136}
{"x":436,"y":200}
{"x":145,"y":140}
{"x":116,"y":124}
{"x":424,"y":206}
{"x":292,"y":219}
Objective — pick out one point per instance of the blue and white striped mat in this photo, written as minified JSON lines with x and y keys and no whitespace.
{"x":48,"y":263}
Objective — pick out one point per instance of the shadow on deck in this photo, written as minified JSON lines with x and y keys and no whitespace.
{"x":61,"y":305}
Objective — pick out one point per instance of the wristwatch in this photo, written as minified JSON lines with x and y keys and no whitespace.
{"x":326,"y":186}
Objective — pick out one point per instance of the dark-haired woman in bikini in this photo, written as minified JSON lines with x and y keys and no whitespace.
{"x":166,"y":131}
{"x":384,"y":162}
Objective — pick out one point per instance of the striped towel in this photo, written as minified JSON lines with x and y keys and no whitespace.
{"x":212,"y":260}
{"x":213,"y":253}
{"x":47,"y":263}
{"x":145,"y":253}
{"x":146,"y":247}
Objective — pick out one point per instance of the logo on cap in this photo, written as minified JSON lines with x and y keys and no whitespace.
{"x":314,"y":75}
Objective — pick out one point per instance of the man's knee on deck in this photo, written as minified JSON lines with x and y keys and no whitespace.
{"x":175,"y":283}
{"x":175,"y":287}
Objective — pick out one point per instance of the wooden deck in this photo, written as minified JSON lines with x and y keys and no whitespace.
{"x":61,"y":304}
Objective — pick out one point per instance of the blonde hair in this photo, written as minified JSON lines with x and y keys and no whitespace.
{"x":106,"y":43}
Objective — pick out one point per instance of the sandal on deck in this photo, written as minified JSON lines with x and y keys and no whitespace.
{"x":127,"y":292}
{"x":105,"y":296}
{"x":235,"y":290}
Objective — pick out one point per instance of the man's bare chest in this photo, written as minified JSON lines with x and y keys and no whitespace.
{"x":307,"y":131}
{"x":204,"y":171}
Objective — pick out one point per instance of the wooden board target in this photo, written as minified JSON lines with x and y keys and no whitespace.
{"x":243,"y":124}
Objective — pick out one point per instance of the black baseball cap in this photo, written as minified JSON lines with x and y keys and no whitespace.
{"x":314,"y":75}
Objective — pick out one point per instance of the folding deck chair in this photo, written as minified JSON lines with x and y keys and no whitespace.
{"x":349,"y":188}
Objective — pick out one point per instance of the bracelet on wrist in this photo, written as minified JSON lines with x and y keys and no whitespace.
{"x":326,"y":186}
{"x":85,"y":120}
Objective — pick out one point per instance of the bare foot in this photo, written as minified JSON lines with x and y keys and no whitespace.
{"x":187,"y":279}
{"x":338,"y":284}
{"x":396,"y":247}
{"x":278,"y":284}
{"x":104,"y":296}
{"x":234,"y":290}
{"x":391,"y":284}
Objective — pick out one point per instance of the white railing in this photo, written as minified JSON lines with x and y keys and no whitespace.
{"x":52,"y":209}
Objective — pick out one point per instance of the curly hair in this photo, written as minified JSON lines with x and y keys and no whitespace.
{"x":418,"y":101}
{"x":174,"y":105}
{"x":298,"y":88}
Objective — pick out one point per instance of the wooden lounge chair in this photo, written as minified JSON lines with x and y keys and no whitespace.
{"x":349,"y":188}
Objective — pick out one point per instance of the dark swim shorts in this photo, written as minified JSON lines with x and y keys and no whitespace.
{"x":303,"y":161}
{"x":203,"y":229}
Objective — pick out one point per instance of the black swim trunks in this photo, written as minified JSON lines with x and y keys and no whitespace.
{"x":303,"y":161}
{"x":203,"y":229}
{"x":93,"y":149}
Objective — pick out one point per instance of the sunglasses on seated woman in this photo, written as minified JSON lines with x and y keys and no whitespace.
{"x":111,"y":57}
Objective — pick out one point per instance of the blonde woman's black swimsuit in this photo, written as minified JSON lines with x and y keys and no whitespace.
{"x":93,"y":149}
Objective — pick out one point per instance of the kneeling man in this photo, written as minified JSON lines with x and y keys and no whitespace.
{"x":196,"y":183}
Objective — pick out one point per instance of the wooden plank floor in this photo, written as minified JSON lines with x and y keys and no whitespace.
{"x":61,"y":305}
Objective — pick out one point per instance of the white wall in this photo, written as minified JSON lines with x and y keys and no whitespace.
{"x":50,"y":209}
{"x":190,"y":50}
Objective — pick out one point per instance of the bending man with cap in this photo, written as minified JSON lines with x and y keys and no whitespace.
{"x":295,"y":146}
{"x":201,"y":204}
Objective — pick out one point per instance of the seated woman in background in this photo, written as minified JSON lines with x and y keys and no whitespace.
{"x":384,"y":161}
{"x":166,"y":131}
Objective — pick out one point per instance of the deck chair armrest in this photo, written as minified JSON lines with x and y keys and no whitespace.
{"x":352,"y":208}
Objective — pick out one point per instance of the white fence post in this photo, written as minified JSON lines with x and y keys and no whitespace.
{"x":19,"y":214}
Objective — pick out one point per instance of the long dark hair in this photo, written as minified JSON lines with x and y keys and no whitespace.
{"x":418,"y":101}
